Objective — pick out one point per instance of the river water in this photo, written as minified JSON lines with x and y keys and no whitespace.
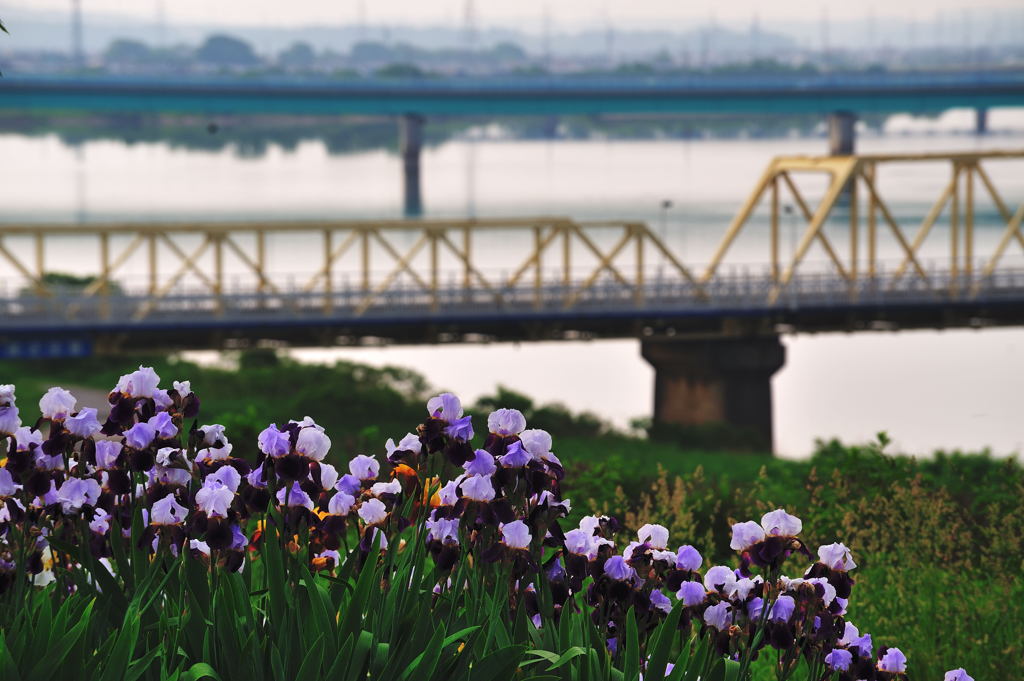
{"x":929,"y":390}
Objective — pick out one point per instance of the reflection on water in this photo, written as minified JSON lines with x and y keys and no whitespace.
{"x":928,"y":389}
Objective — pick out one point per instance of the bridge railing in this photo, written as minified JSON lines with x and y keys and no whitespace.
{"x":724,"y":295}
{"x":137,"y":272}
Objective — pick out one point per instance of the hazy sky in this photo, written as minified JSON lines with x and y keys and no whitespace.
{"x":564,"y":14}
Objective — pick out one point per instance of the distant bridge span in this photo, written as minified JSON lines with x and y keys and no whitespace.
{"x":840,"y":97}
{"x":920,"y":92}
{"x":712,"y":334}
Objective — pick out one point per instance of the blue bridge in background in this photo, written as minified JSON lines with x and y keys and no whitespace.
{"x":840,"y":97}
{"x":922,"y":92}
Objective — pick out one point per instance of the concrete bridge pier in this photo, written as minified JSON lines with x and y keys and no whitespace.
{"x":721,"y":380}
{"x":410,"y":144}
{"x":842,"y":133}
{"x":981,"y":121}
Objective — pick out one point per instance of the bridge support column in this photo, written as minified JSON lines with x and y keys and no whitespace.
{"x":981,"y":121}
{"x":842,"y":133}
{"x":725,"y":380}
{"x":410,"y":144}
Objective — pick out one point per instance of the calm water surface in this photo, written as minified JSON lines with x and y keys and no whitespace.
{"x":951,"y":389}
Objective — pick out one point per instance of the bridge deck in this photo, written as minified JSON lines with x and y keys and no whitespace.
{"x":883,"y":92}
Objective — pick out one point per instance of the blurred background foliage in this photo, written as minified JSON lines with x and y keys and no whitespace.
{"x":939,"y":539}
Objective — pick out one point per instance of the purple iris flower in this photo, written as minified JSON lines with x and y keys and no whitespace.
{"x":449,"y":495}
{"x":745,"y":535}
{"x":75,"y":493}
{"x":516,"y":535}
{"x":141,"y":383}
{"x":688,"y":558}
{"x":213,"y":434}
{"x":214,"y":499}
{"x":781,"y":524}
{"x":782,"y":609}
{"x":227,"y":476}
{"x":373,"y":512}
{"x":506,"y":422}
{"x":273,"y":442}
{"x":460,"y":429}
{"x":444,"y":530}
{"x":409,"y":443}
{"x":349,"y":484}
{"x":57,"y":404}
{"x":478,"y":488}
{"x":295,"y":497}
{"x":255,"y":478}
{"x":515,"y":456}
{"x":162,"y":400}
{"x":893,"y":661}
{"x":445,"y":406}
{"x":167,"y":511}
{"x":958,"y":675}
{"x":719,"y":616}
{"x":83,"y":424}
{"x":328,"y":476}
{"x":379,"y":488}
{"x":836,"y":557}
{"x":660,"y":601}
{"x":691,"y":593}
{"x":364,"y":467}
{"x":140,"y":436}
{"x":742,"y":588}
{"x":656,"y":536}
{"x":719,"y":578}
{"x":852,"y":639}
{"x":537,"y":442}
{"x":839,"y":660}
{"x":162,"y":425}
{"x":10,"y":421}
{"x":754,"y":607}
{"x":7,"y":486}
{"x":313,"y":443}
{"x":482,"y":463}
{"x":830,"y":591}
{"x":580,"y":542}
{"x":238,"y":540}
{"x":617,"y":568}
{"x":341,"y":504}
{"x":100,"y":523}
